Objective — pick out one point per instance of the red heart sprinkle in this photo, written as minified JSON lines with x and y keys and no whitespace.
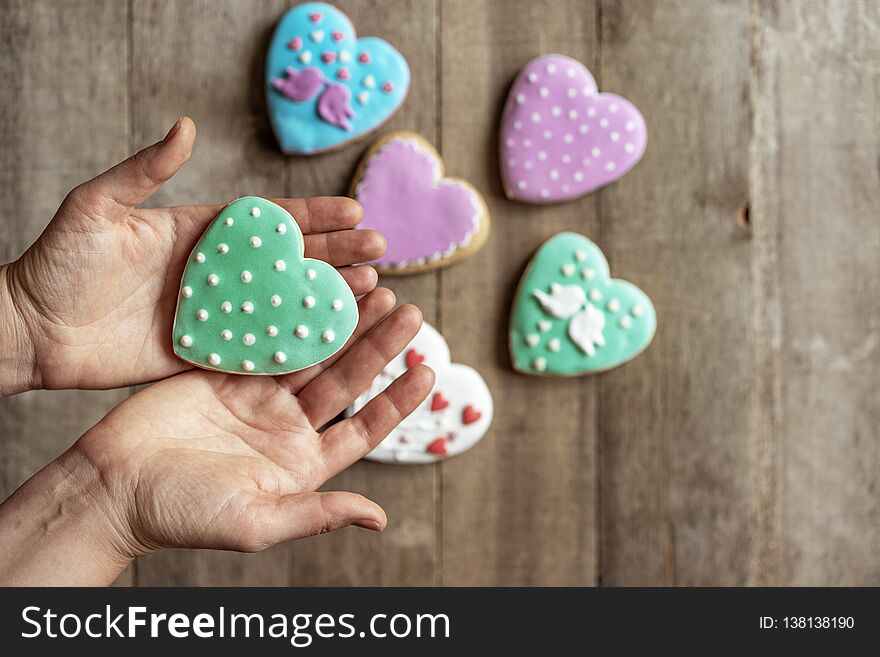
{"x":437,"y":446}
{"x":295,"y":43}
{"x":469,"y":415}
{"x":439,"y":402}
{"x":329,"y":57}
{"x":343,"y":74}
{"x":414,"y":358}
{"x":364,"y":58}
{"x":387,"y":87}
{"x":316,"y":17}
{"x":337,"y":36}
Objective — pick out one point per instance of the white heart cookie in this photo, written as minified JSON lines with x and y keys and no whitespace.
{"x":454,"y":417}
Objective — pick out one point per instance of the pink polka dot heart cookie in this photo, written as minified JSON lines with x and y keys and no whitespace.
{"x":561,"y":138}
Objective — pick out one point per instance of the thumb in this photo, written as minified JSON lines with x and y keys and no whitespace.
{"x":134,"y":180}
{"x":279,"y":519}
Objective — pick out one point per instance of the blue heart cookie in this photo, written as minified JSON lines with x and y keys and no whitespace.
{"x":326,"y":87}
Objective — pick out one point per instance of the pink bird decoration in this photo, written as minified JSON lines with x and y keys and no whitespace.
{"x":300,"y":86}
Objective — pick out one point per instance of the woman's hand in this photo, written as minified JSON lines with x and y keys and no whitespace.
{"x":91,"y":303}
{"x":207,"y":460}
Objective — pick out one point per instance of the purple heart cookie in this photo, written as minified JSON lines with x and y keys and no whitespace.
{"x":427,"y":219}
{"x":560,"y":137}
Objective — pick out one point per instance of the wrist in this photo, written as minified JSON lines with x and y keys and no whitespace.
{"x":18,"y":362}
{"x":60,"y":528}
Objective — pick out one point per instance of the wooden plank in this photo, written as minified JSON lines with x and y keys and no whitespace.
{"x":675,"y":491}
{"x":520,"y":508}
{"x":58,"y":63}
{"x":406,"y":553}
{"x":816,"y":202}
{"x":186,"y":58}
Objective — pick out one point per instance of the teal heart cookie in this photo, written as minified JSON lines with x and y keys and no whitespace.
{"x":251,"y":303}
{"x":570,"y":317}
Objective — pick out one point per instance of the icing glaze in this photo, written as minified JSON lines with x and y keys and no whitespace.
{"x":300,"y":86}
{"x":585,"y":330}
{"x":605,"y":323}
{"x":563,"y":300}
{"x":252,"y":297}
{"x":587,"y":139}
{"x":311,"y":77}
{"x":334,"y":106}
{"x":453,"y":418}
{"x":425,"y":217}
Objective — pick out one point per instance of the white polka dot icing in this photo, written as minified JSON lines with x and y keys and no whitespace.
{"x":243,"y":315}
{"x":587,"y":323}
{"x":456,"y":415}
{"x":573,"y":119}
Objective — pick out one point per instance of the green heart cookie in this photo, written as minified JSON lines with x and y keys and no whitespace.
{"x":251,"y":303}
{"x":570,"y":317}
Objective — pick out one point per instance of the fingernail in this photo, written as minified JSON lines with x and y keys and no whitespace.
{"x":173,"y":130}
{"x":366,"y":523}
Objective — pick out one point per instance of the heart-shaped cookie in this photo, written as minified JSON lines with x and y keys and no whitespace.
{"x":325,"y":86}
{"x":454,"y":417}
{"x":251,"y":303}
{"x":569,"y":317}
{"x":560,"y":137}
{"x":428,"y":220}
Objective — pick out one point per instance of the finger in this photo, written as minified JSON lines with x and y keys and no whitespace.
{"x":371,"y":309}
{"x":319,"y":214}
{"x":333,"y":390}
{"x":322,"y":214}
{"x":278,"y":519}
{"x":133,"y":181}
{"x":360,"y":278}
{"x":351,"y":439}
{"x":345,"y":247}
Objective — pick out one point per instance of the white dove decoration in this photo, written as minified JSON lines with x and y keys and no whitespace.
{"x":585,"y":329}
{"x":563,"y":300}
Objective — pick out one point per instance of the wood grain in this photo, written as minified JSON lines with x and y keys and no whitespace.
{"x":675,"y":423}
{"x":817,"y":202}
{"x":520,"y":508}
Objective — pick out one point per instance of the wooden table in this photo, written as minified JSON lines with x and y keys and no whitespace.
{"x":741,"y":448}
